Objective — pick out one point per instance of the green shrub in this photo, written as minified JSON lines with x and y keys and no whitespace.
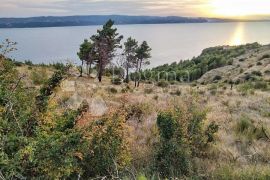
{"x":241,"y":70}
{"x":148,"y":90}
{"x":265,"y":56}
{"x":39,"y":77}
{"x":242,"y":60}
{"x":112,"y":90}
{"x":245,"y":88}
{"x":137,"y":111}
{"x":163,"y":84}
{"x":217,"y":78}
{"x":251,"y":172}
{"x":107,"y":149}
{"x":172,"y":159}
{"x":246,"y":128}
{"x":182,"y":138}
{"x":116,"y":81}
{"x":244,"y":125}
{"x":29,"y":63}
{"x":261,"y":85}
{"x":267,"y":71}
{"x":256,"y":73}
{"x":176,"y":93}
{"x":59,"y":66}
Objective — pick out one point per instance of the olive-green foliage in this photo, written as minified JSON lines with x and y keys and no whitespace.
{"x":182,"y":137}
{"x":47,"y":89}
{"x":172,"y":158}
{"x":246,"y":128}
{"x":232,"y":172}
{"x":245,"y":88}
{"x":39,"y":77}
{"x":265,"y":56}
{"x":193,"y":69}
{"x":112,"y":90}
{"x":17,"y":120}
{"x":163,"y":83}
{"x":116,"y":81}
{"x":137,"y":111}
{"x":148,"y":90}
{"x":249,"y":87}
{"x":107,"y":150}
{"x":29,"y":148}
{"x":176,"y":93}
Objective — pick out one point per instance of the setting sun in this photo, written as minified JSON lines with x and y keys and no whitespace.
{"x":239,"y":8}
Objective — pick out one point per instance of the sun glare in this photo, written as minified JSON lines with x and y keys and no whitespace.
{"x":239,"y":8}
{"x":238,"y":36}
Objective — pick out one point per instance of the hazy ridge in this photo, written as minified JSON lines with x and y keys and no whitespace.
{"x":60,"y":21}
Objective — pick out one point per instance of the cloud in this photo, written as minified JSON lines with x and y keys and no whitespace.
{"x":202,"y":8}
{"x":85,"y":7}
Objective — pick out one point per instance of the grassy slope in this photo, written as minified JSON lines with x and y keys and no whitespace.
{"x":228,"y":108}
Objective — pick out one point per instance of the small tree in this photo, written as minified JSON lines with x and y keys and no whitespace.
{"x":107,"y":40}
{"x":143,"y":55}
{"x":131,"y":46}
{"x":88,"y":54}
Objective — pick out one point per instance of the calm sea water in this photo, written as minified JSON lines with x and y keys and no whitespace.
{"x":170,"y":42}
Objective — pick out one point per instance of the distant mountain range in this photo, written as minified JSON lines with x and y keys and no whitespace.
{"x":55,"y":21}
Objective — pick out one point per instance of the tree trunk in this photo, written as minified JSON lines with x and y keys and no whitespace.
{"x":81,"y":69}
{"x":89,"y":70}
{"x":135,"y":78}
{"x":140,"y":67}
{"x":127,"y":76}
{"x":100,"y":73}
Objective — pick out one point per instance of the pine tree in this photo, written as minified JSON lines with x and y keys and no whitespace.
{"x":131,"y":46}
{"x":143,"y":55}
{"x":107,"y":40}
{"x":87,"y":53}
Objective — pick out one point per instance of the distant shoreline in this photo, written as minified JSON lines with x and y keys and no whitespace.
{"x":95,"y":20}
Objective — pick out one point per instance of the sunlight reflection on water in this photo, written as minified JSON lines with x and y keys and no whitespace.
{"x":238,"y":35}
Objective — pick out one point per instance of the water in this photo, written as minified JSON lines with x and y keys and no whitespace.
{"x":170,"y":42}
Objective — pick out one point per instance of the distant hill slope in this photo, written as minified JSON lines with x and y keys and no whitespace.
{"x":223,"y":63}
{"x":54,"y":21}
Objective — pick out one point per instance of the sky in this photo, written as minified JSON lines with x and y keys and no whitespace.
{"x":240,"y":9}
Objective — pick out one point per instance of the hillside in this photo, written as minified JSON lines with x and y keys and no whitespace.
{"x":62,"y":125}
{"x":55,"y":21}
{"x":219,"y":64}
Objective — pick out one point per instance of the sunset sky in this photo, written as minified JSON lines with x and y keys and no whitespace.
{"x":244,"y":9}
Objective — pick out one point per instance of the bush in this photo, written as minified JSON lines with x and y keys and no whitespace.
{"x":217,"y":78}
{"x":256,"y":73}
{"x":182,"y":138}
{"x":246,"y":128}
{"x":242,"y":60}
{"x":172,"y":158}
{"x":137,"y":111}
{"x":107,"y":150}
{"x":230,"y":172}
{"x":259,"y":63}
{"x":116,"y":81}
{"x":163,"y":84}
{"x":267,"y":71}
{"x":112,"y":90}
{"x":148,"y":90}
{"x":244,"y":125}
{"x":29,"y":63}
{"x":265,"y":56}
{"x":176,"y":93}
{"x":245,"y":88}
{"x":59,"y":66}
{"x":39,"y":77}
{"x":261,"y":85}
